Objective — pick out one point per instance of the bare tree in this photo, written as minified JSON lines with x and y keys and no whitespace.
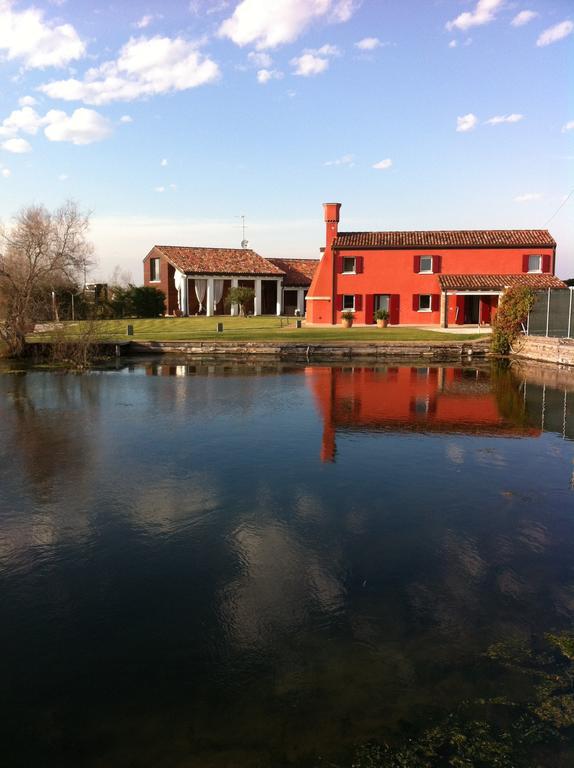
{"x":41,"y":253}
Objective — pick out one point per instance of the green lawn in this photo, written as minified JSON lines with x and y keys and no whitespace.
{"x":248,"y":329}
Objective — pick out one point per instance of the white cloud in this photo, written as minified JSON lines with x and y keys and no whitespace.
{"x":268,"y":25}
{"x":83,"y":126}
{"x":17,"y":146}
{"x":555,"y":33}
{"x":383,"y":165}
{"x":466,"y":122}
{"x":484,"y":13}
{"x":126,"y":119}
{"x":146,"y":20}
{"x":263,"y":60}
{"x":568,"y":127}
{"x":528,"y":197}
{"x":453,"y":44}
{"x":344,"y":160}
{"x":26,"y":120}
{"x":28,"y":37}
{"x":368,"y":44}
{"x":6,"y":173}
{"x":163,"y":163}
{"x":159,"y":189}
{"x":523,"y":18}
{"x":308,"y":64}
{"x":265,"y":75}
{"x":27,"y":101}
{"x":498,"y":119}
{"x":313,"y":61}
{"x":63,"y":177}
{"x":145,"y":67}
{"x":325,"y":50}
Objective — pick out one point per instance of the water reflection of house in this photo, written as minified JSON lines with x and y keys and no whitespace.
{"x":417,"y":399}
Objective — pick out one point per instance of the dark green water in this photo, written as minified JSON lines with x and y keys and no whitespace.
{"x":271,"y":566}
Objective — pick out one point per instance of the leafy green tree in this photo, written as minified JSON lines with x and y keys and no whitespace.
{"x":241,"y":296}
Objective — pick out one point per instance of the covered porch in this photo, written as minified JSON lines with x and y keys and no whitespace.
{"x":200,"y":294}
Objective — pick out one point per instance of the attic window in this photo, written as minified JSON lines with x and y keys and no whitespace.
{"x":154,"y":271}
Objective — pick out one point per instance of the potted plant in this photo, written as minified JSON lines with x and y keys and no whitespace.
{"x":347,"y":318}
{"x":382,"y":318}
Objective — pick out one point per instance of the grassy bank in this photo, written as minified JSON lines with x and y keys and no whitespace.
{"x":244,"y":329}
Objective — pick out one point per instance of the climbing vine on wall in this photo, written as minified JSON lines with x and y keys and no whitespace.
{"x":514,"y":307}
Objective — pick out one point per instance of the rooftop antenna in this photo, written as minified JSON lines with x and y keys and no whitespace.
{"x":244,"y":242}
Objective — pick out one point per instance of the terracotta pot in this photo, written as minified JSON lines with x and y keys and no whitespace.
{"x":382,"y":323}
{"x":347,"y":323}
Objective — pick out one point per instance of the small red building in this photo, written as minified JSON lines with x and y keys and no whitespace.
{"x":425,"y":278}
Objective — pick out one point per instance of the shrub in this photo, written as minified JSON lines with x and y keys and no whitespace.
{"x":514,"y":307}
{"x":146,"y":301}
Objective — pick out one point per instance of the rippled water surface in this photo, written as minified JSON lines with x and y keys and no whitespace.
{"x":209,"y":565}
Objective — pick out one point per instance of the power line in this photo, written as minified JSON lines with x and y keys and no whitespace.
{"x":562,"y":204}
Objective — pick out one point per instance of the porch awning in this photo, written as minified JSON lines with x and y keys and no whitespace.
{"x":497,"y":282}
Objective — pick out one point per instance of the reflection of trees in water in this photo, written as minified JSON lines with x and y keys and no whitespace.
{"x":51,"y":421}
{"x":47,"y":474}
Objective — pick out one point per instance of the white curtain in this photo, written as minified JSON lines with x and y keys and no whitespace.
{"x":179,"y":280}
{"x":200,"y":289}
{"x":217,"y":292}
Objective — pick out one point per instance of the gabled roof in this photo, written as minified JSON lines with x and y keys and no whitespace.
{"x":218,"y":261}
{"x":497,"y":282}
{"x":464,"y":238}
{"x":298,"y":272}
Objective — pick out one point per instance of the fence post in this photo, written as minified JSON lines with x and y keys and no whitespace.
{"x":528,"y":323}
{"x":548,"y":313}
{"x":570,"y":313}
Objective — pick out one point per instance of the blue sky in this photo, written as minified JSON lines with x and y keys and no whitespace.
{"x":170,"y":120}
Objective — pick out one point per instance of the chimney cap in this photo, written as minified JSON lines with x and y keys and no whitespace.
{"x":331,"y":211}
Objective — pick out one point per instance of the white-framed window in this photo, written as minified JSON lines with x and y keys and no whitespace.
{"x":349,"y":265}
{"x":535,"y":263}
{"x":154,"y":275}
{"x":425,"y":265}
{"x":348,"y":303}
{"x":425,"y":302}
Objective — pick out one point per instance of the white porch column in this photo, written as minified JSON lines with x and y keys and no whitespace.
{"x":257,"y":305}
{"x":209,"y":298}
{"x":301,"y":301}
{"x":279,"y":296}
{"x":234,"y":307}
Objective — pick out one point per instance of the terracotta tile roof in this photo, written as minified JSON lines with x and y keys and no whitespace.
{"x":218,"y":261}
{"x":298,"y":272}
{"x":468,"y":238}
{"x":497,"y":282}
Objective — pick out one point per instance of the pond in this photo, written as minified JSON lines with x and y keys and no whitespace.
{"x":226,"y":565}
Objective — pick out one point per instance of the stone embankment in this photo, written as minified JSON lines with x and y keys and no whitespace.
{"x":543,"y":349}
{"x":452,"y":351}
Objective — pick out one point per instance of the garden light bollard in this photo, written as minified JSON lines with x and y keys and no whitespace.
{"x":130,"y":331}
{"x":219,"y":327}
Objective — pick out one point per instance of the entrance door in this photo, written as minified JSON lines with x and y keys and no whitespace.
{"x":383,"y":301}
{"x":471,"y":310}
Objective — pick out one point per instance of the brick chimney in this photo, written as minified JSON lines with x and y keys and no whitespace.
{"x":331,"y":212}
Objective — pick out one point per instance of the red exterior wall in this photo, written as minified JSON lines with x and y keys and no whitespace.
{"x":166,"y":282}
{"x":393,"y":272}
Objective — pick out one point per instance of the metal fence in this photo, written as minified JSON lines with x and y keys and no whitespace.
{"x":552,"y":314}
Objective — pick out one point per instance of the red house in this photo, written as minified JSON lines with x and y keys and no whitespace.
{"x":425,"y":278}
